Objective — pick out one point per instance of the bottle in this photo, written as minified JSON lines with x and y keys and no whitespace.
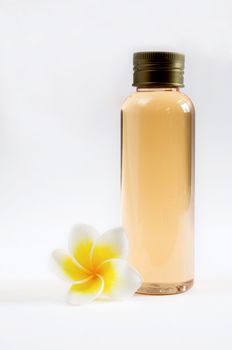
{"x":157,"y":174}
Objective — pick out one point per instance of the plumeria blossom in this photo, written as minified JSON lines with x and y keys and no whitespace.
{"x":96,"y":265}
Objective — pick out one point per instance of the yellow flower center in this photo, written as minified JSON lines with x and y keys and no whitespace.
{"x":94,"y":271}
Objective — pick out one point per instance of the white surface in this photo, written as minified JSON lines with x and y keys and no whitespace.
{"x":36,"y":317}
{"x":65,"y":69}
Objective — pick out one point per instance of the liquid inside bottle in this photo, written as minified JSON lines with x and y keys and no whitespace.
{"x":158,"y":187}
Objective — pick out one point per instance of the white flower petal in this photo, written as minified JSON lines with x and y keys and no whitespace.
{"x":112,"y":244}
{"x":81,"y":241}
{"x":80,"y":294}
{"x":66,"y":267}
{"x":120,"y":280}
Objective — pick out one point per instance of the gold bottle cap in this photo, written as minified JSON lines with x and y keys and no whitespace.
{"x":158,"y":68}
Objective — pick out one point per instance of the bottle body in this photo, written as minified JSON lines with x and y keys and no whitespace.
{"x":157,"y":188}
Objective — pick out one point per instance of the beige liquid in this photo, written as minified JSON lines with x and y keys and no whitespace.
{"x":158,"y":188}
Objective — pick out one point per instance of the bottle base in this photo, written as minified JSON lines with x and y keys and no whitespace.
{"x":165,"y":288}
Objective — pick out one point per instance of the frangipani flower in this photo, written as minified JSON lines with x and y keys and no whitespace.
{"x":96,"y":265}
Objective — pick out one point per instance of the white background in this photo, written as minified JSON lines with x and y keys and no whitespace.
{"x":65,"y":69}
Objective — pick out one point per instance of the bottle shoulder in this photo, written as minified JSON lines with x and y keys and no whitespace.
{"x":159,"y":100}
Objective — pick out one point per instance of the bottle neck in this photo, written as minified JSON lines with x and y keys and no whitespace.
{"x":157,"y":88}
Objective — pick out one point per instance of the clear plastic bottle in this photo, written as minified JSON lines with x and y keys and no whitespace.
{"x":157,"y":188}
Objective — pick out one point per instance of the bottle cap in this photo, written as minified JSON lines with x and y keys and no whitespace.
{"x":158,"y":68}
